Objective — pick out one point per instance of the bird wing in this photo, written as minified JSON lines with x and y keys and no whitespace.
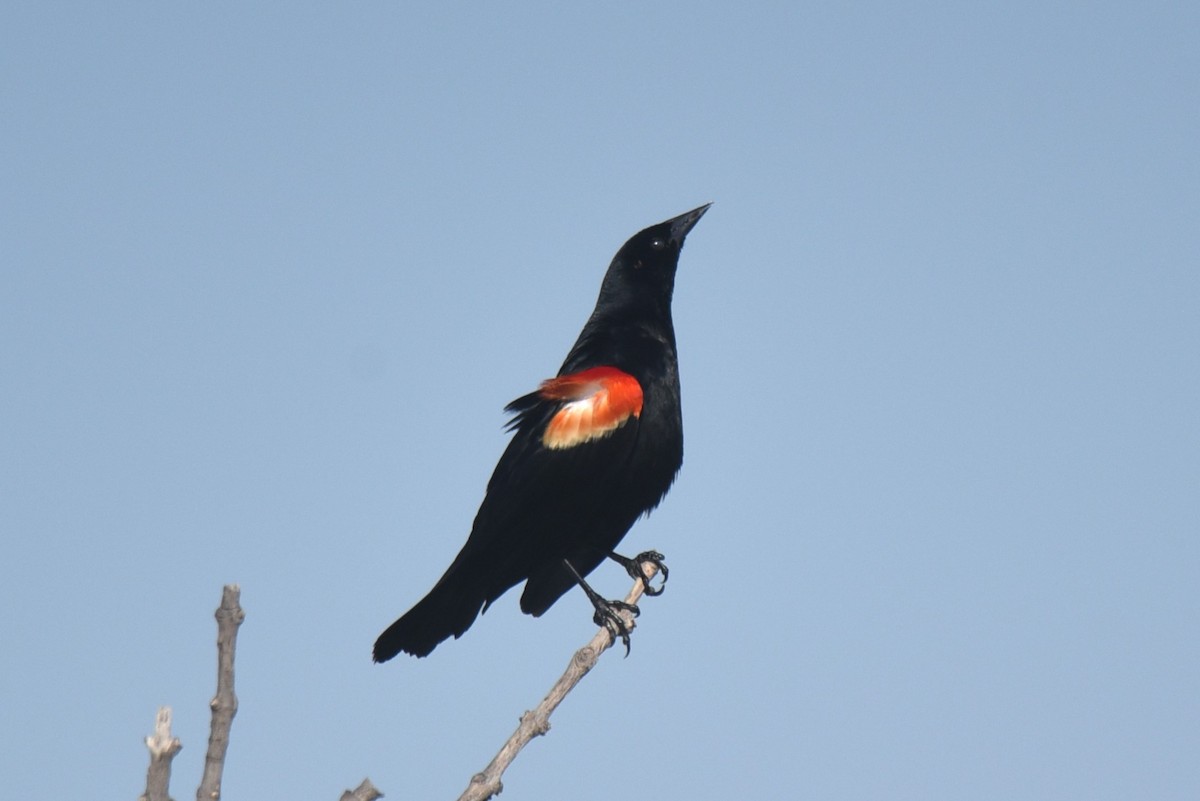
{"x":573,"y":438}
{"x":570,"y":433}
{"x":592,"y":404}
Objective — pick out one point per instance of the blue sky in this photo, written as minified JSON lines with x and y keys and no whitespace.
{"x":271,"y":273}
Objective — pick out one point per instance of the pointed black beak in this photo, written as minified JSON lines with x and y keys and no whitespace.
{"x":685,"y":222}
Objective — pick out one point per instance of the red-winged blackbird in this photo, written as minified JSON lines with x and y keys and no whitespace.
{"x":594,"y":449}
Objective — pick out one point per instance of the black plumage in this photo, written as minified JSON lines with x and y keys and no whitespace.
{"x":592,"y":450}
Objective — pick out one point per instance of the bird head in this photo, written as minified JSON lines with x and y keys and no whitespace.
{"x":643,"y":271}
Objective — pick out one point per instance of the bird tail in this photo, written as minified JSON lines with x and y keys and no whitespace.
{"x":449,"y":609}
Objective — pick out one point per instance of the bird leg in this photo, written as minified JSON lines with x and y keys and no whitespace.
{"x":606,"y":611}
{"x":634,"y":568}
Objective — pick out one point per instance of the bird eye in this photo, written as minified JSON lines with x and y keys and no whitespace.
{"x":658,"y":243}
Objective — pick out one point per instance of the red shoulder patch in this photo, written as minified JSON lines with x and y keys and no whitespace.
{"x":598,"y":401}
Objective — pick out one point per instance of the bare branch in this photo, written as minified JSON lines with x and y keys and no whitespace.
{"x":536,"y":722}
{"x":224,"y":704}
{"x":364,"y":792}
{"x":163,"y":748}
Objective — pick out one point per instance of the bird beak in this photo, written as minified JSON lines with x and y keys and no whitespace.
{"x":685,"y":222}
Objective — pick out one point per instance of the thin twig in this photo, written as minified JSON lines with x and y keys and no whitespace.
{"x":224,"y":704}
{"x":163,"y":748}
{"x":536,"y":722}
{"x":364,"y":792}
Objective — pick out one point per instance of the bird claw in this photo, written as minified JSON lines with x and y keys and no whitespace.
{"x":634,"y":568}
{"x":607,"y":616}
{"x":655,"y":558}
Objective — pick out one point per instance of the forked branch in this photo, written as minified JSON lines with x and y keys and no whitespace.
{"x":163,"y":748}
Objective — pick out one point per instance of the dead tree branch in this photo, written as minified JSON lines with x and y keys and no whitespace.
{"x":364,"y":792}
{"x":163,"y":748}
{"x":536,"y":722}
{"x":224,"y":704}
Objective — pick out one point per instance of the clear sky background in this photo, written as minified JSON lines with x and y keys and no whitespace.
{"x":271,"y":272}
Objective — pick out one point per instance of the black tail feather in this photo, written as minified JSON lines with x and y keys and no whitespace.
{"x":448,"y":610}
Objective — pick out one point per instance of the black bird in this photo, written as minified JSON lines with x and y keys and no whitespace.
{"x":594,"y":449}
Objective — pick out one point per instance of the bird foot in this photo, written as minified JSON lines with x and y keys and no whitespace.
{"x":634,"y":568}
{"x":608,"y":612}
{"x":608,"y":616}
